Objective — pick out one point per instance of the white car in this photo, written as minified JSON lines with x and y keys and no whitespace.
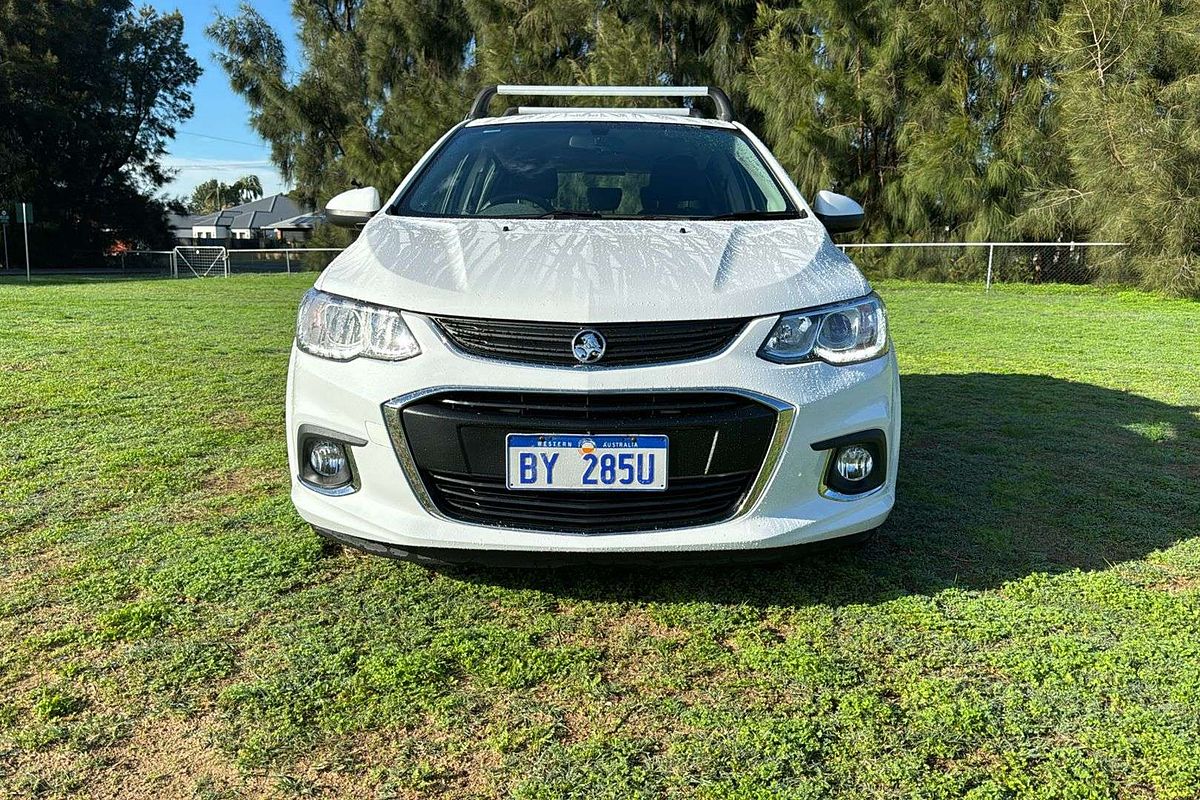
{"x":593,"y":334}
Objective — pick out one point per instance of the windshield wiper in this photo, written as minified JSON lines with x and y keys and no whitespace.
{"x":563,"y":213}
{"x":754,"y":215}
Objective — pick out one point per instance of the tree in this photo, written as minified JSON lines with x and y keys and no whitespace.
{"x":90,"y":92}
{"x":830,"y":80}
{"x":1128,"y":96}
{"x":381,"y":82}
{"x":383,"y":79}
{"x":950,"y":119}
{"x":979,"y":130}
{"x":212,"y":195}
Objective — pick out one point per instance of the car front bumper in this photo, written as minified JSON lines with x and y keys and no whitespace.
{"x":821,"y":402}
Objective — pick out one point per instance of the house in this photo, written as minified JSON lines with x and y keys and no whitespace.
{"x":244,"y":222}
{"x":293,"y":230}
{"x":181,"y":226}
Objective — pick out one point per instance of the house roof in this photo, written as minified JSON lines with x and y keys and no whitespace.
{"x":219,"y":219}
{"x":252,"y":215}
{"x":300,"y":222}
{"x":179,"y":221}
{"x":247,"y":219}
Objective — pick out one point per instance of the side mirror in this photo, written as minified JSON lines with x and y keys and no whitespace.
{"x":837,"y":212}
{"x":352,"y":208}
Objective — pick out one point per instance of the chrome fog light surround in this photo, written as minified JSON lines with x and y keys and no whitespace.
{"x":856,"y":465}
{"x":327,"y":460}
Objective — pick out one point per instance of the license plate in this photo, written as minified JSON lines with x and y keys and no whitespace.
{"x":626,"y":462}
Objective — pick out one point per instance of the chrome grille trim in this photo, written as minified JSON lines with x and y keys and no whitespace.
{"x":784,"y":422}
{"x":629,"y":344}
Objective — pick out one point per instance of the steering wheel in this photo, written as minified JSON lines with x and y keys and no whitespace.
{"x":516,"y":197}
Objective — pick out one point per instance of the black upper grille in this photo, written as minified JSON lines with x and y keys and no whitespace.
{"x":587,"y":407}
{"x":717,"y":441}
{"x":629,"y":343}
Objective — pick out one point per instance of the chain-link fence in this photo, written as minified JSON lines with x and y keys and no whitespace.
{"x":994,"y":262}
{"x":285,"y":259}
{"x":159,"y":262}
{"x":958,"y":262}
{"x":146,"y":263}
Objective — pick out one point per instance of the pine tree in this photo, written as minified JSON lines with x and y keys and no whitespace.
{"x":1127,"y":96}
{"x":949,"y":119}
{"x":979,"y":130}
{"x":830,"y":80}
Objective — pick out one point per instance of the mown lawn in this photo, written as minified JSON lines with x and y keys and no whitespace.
{"x":1028,"y":625}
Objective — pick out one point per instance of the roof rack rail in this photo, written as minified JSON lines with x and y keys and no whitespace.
{"x":480,"y":106}
{"x":665,"y":112}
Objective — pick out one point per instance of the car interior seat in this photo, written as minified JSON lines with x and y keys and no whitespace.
{"x":604,"y":198}
{"x":677,"y":186}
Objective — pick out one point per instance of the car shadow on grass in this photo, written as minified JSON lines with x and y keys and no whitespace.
{"x":1001,"y":476}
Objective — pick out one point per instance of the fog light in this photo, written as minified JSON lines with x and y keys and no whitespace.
{"x":854,"y":463}
{"x":327,"y":459}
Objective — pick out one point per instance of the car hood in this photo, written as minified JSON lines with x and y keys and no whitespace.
{"x":593,"y":270}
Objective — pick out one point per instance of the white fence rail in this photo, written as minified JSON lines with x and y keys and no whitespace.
{"x":992,"y":262}
{"x":979,"y":262}
{"x":277,"y":259}
{"x":282,"y":259}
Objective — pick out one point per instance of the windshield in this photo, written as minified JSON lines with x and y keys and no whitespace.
{"x":611,"y":170}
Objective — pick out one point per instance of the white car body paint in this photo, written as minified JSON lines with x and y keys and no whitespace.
{"x":601,"y":270}
{"x":592,"y":272}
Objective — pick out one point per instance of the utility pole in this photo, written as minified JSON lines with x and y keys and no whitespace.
{"x":26,"y":211}
{"x":4,"y":224}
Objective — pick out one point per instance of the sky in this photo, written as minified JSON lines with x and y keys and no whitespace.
{"x":217,"y":142}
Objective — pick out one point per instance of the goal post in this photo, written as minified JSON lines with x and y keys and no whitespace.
{"x":201,"y":262}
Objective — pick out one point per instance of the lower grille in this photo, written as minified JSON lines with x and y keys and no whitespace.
{"x":453,"y":444}
{"x":628,"y":343}
{"x":686,"y":501}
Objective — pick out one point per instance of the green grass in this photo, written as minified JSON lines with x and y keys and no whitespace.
{"x":1028,"y":625}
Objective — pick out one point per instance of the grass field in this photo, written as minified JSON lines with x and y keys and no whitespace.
{"x":1028,"y":624}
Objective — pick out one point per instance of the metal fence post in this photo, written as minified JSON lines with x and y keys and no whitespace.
{"x":991,"y":254}
{"x":288,"y":256}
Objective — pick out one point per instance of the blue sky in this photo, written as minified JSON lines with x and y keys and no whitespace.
{"x":220,"y":113}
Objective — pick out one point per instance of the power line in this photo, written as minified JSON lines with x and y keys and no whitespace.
{"x":211,"y":165}
{"x":223,"y":139}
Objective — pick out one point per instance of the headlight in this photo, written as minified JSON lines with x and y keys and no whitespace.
{"x":341,"y":329}
{"x":842,"y":334}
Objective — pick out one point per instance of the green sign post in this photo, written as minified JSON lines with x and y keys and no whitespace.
{"x":4,"y":226}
